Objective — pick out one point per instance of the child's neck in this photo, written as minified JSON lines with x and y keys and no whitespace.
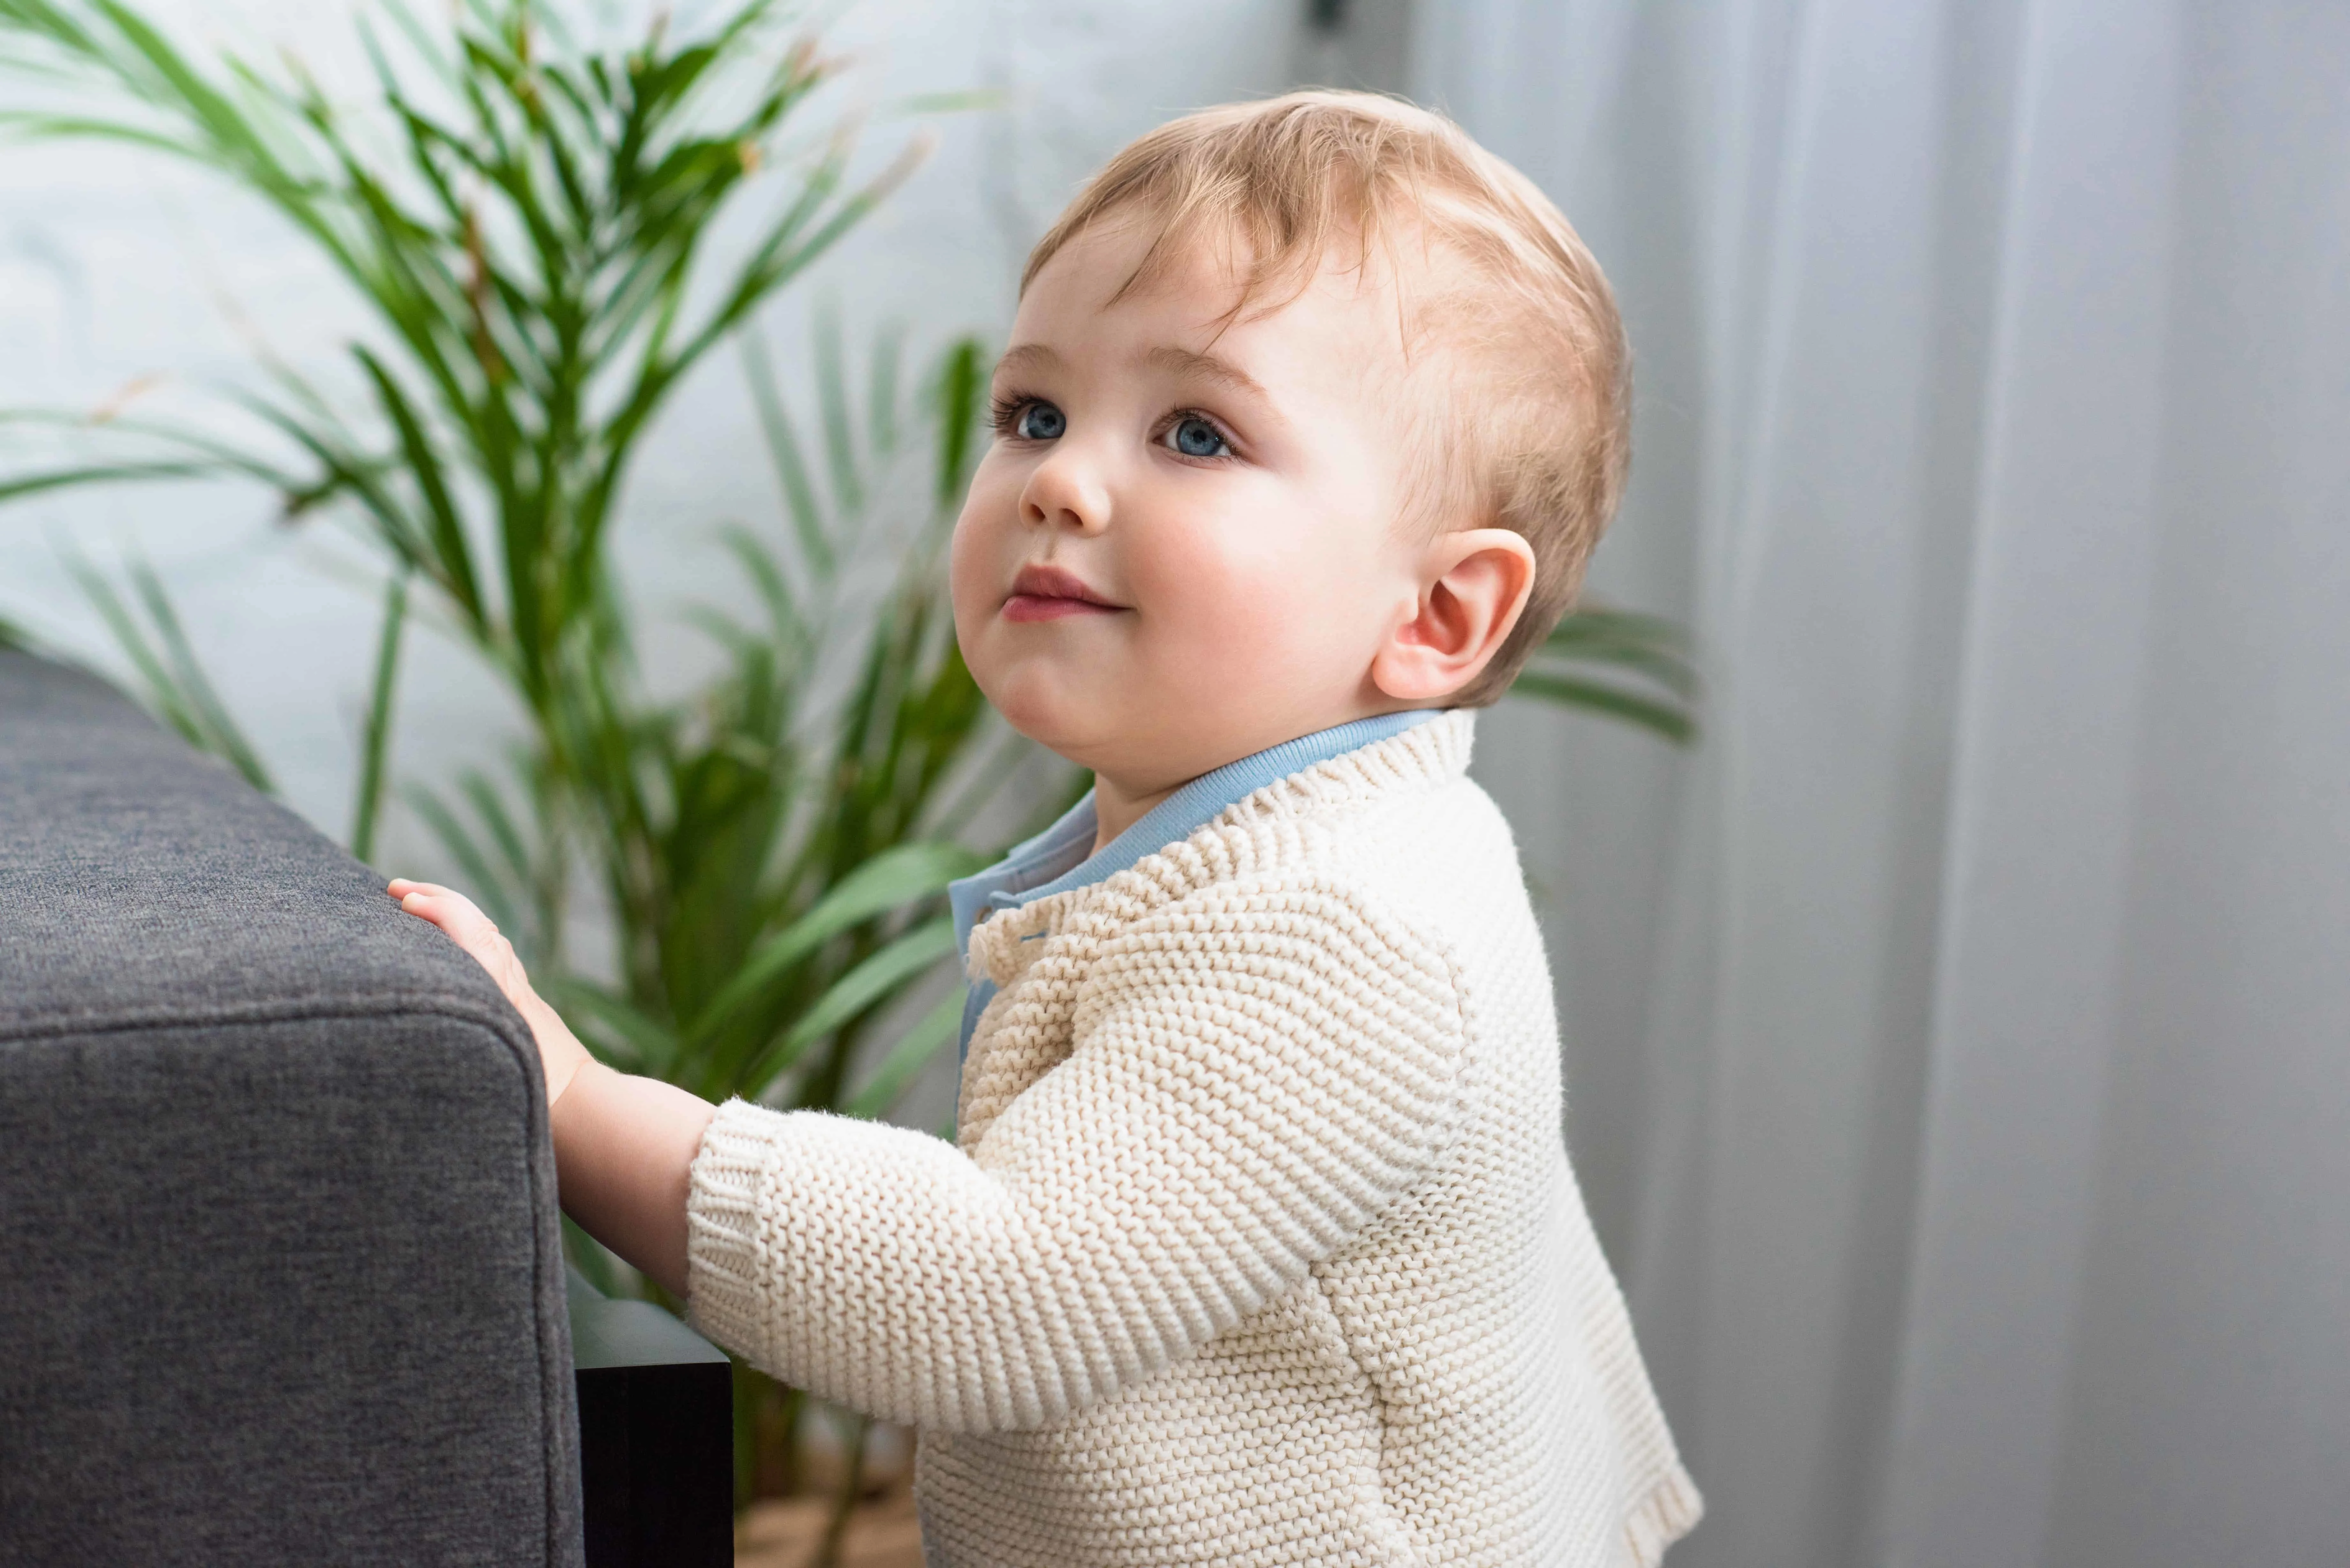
{"x":1115,"y":808}
{"x":1118,"y":804}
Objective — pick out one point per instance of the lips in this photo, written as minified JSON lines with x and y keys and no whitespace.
{"x":1054,"y":593}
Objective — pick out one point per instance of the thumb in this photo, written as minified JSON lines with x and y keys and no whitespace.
{"x":464,"y":924}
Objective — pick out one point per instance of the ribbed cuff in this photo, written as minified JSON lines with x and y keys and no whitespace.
{"x":1670,"y":1512}
{"x":727,"y":1255}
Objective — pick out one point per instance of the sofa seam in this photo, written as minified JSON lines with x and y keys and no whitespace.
{"x":361,"y":1004}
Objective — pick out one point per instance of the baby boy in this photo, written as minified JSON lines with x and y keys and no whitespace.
{"x":1258,"y":1243}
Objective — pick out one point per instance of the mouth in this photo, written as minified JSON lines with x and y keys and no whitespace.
{"x":1054,"y":593}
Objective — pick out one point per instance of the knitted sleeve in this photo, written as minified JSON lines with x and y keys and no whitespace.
{"x":1254,"y":1074}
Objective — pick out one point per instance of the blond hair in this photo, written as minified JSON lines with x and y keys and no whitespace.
{"x":1537,"y":350}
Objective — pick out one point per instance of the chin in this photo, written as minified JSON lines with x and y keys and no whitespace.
{"x":1058,"y":715}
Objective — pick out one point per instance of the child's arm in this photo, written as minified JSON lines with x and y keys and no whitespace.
{"x":624,"y":1146}
{"x":1257,"y":1078}
{"x":1258,"y":1074}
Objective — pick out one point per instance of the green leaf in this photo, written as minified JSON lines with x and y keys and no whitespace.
{"x":101,"y":474}
{"x":840,"y":444}
{"x":192,"y":689}
{"x":451,"y":557}
{"x":84,"y":128}
{"x":961,"y":391}
{"x":1655,"y":647}
{"x":162,"y":693}
{"x":882,"y":393}
{"x":920,"y":1046}
{"x":784,"y":453}
{"x":487,"y":889}
{"x":893,"y":878}
{"x":515,"y":856}
{"x":623,"y":1036}
{"x":175,"y":683}
{"x":774,"y":592}
{"x":875,"y":980}
{"x":377,"y":746}
{"x":1664,"y":719}
{"x":926,"y":104}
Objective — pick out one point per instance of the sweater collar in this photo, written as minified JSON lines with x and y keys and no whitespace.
{"x":1060,"y":858}
{"x":1057,"y":859}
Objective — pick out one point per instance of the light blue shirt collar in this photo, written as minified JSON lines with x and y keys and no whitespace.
{"x":1059,"y":858}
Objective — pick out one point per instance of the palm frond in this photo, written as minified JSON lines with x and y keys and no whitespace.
{"x":376,"y":743}
{"x":1619,"y":664}
{"x":147,"y":629}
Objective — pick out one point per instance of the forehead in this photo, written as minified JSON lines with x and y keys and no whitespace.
{"x":1090,"y":298}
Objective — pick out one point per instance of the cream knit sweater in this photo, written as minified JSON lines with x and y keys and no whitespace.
{"x":1258,"y":1245}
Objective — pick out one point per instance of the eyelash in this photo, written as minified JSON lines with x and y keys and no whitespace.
{"x":1004,"y":413}
{"x":1004,"y":417}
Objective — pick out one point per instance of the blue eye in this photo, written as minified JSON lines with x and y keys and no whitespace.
{"x":1195,"y":437}
{"x":1041,"y":422}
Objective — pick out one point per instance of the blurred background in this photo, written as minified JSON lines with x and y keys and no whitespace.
{"x":1958,"y":1027}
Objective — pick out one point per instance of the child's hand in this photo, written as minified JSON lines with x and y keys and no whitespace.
{"x":559,"y":1051}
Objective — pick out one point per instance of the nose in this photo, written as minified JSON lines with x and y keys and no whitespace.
{"x":1066,"y":491}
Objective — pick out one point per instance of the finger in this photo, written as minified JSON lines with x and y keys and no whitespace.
{"x":423,"y":896}
{"x":455,"y":913}
{"x":477,"y":934}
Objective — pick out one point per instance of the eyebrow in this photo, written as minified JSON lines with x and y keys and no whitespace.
{"x":1207,"y":367}
{"x":1025,"y":356}
{"x":1166,"y":356}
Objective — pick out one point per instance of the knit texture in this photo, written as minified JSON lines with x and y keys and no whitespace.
{"x":1258,"y":1243}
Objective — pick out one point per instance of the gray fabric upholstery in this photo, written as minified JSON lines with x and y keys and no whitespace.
{"x":280,"y":1270}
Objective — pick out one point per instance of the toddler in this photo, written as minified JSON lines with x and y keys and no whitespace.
{"x":1258,"y":1243}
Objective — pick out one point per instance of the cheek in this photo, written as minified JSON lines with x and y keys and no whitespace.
{"x":976,"y":546}
{"x":965,"y":549}
{"x":1262,"y":585}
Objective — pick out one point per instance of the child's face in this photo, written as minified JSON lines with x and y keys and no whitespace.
{"x":1184,"y":545}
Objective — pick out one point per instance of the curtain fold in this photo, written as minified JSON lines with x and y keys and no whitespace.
{"x":1994,"y":431}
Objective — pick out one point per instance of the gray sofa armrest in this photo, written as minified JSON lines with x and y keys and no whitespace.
{"x":280,"y":1265}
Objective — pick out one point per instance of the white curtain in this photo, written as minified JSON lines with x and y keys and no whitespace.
{"x":1959,"y":1035}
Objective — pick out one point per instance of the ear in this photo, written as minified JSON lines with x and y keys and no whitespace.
{"x":1474,"y":586}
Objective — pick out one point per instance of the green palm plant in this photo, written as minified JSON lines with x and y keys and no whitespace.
{"x":767,"y":856}
{"x":533,"y":255}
